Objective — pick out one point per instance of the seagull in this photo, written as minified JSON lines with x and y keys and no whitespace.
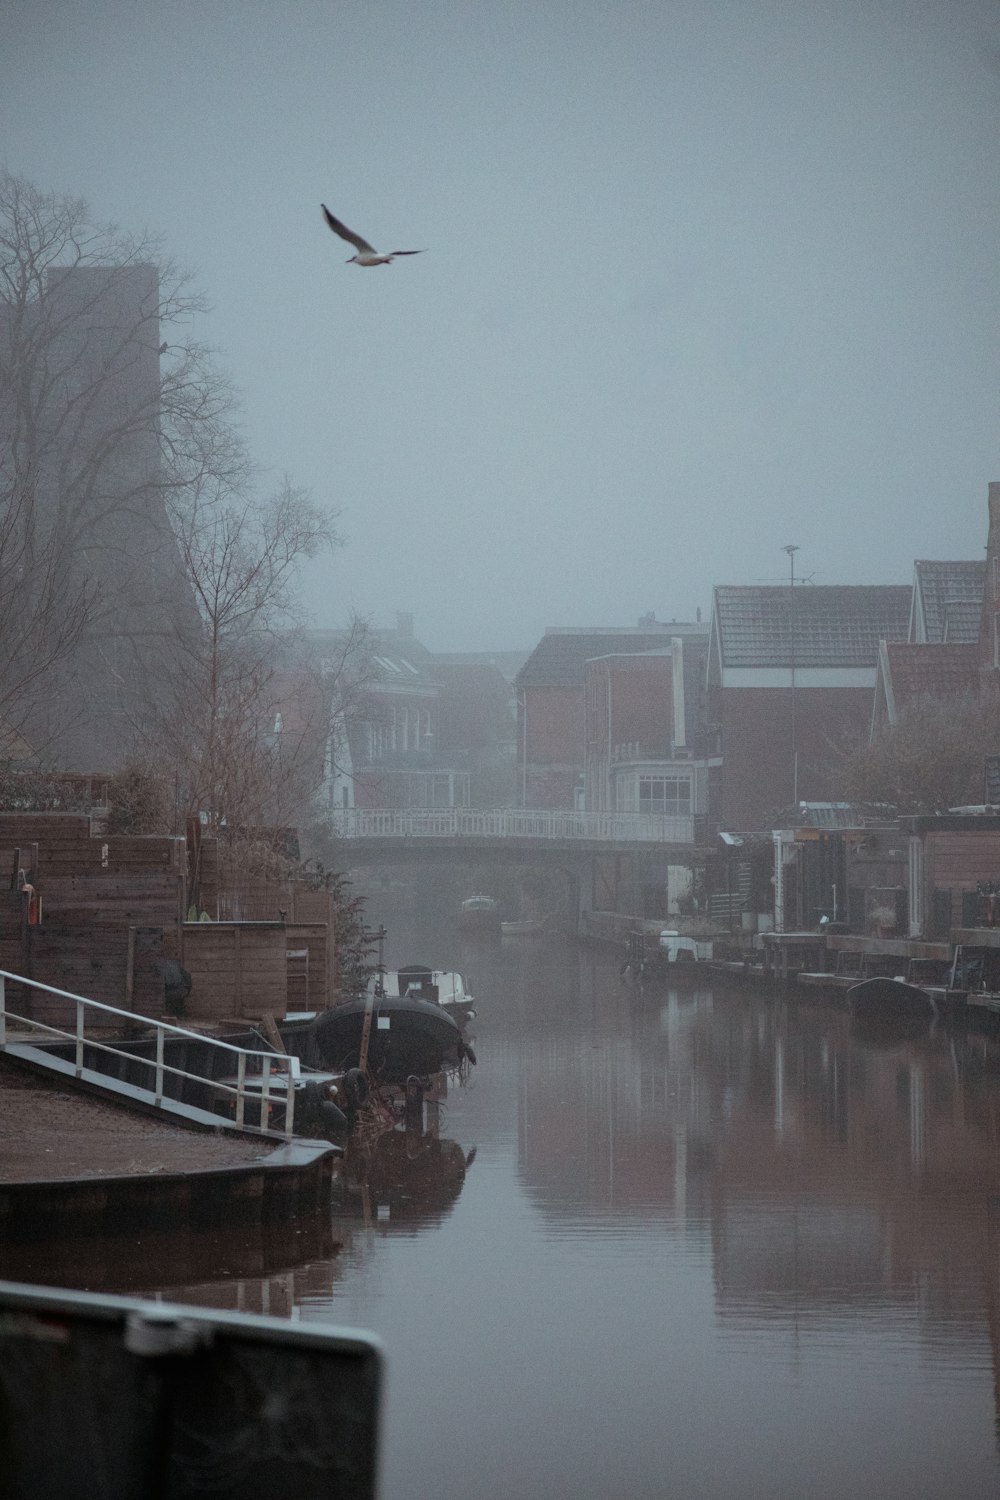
{"x":367,"y":254}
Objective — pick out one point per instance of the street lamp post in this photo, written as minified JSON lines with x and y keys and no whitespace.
{"x":791,"y":549}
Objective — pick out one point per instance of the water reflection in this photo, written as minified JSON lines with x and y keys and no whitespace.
{"x":713,"y":1243}
{"x":407,"y":1179}
{"x":138,"y":1263}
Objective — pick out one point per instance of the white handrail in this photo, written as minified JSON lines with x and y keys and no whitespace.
{"x":560,"y":824}
{"x":288,"y":1065}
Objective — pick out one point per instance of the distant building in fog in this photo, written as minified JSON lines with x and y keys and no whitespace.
{"x":604,"y":714}
{"x":430,"y":732}
{"x":791,"y":675}
{"x":88,"y":353}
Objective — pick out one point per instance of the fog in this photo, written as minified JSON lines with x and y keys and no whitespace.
{"x":702,"y":279}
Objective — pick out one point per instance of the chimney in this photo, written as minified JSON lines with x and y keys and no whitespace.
{"x":404,"y":622}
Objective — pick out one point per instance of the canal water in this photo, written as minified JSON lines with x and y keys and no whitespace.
{"x":674,"y":1242}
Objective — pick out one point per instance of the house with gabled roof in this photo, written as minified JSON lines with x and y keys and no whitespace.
{"x":908,"y":672}
{"x":390,"y":755}
{"x":947,"y":601}
{"x":942,"y":655}
{"x":563,"y":762}
{"x":791,"y":672}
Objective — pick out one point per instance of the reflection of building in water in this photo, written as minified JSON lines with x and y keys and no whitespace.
{"x":833,"y":1175}
{"x":277,"y":1295}
{"x":849,"y":1174}
{"x":171,"y":1263}
{"x":621,"y":1126}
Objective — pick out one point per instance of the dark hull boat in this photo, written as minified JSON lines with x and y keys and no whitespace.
{"x":408,"y":1037}
{"x":890,"y":1011}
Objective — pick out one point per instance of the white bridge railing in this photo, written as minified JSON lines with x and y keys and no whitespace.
{"x":261,"y":1077}
{"x":511,"y":823}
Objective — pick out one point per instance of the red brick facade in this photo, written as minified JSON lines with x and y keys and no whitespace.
{"x":756,"y":727}
{"x":550,"y":728}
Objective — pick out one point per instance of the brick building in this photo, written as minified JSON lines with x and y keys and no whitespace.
{"x":564,"y":759}
{"x":791,"y":674}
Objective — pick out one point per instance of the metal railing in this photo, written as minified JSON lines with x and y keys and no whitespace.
{"x":270,"y":1078}
{"x":560,"y":825}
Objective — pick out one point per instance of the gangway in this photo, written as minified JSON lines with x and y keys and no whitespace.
{"x":261,"y":1077}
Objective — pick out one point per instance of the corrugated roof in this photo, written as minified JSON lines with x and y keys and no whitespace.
{"x":835,"y":625}
{"x":560,"y":658}
{"x":938,"y":586}
{"x":917,"y":670}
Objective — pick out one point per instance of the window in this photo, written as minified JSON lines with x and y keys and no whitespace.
{"x":665,"y":794}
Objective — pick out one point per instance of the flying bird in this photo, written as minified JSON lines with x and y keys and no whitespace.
{"x":367,"y":254}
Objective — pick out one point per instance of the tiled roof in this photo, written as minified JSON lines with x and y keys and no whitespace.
{"x":509,"y":663}
{"x":936,"y":587}
{"x":561,"y":656}
{"x":931,"y":670}
{"x":961,"y":620}
{"x":834,"y":625}
{"x":395,"y":657}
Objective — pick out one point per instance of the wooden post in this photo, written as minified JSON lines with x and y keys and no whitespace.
{"x":238,"y":967}
{"x":269,"y":1027}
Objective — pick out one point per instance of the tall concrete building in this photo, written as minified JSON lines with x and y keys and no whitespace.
{"x":82,"y":475}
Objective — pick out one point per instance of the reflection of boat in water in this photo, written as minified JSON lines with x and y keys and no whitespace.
{"x":529,"y":927}
{"x":669,"y":957}
{"x":408,"y":1176}
{"x":888,"y":1012}
{"x":479,"y":914}
{"x":407,"y":1036}
{"x":442,"y":987}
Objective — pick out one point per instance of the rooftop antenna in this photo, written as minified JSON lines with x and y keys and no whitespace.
{"x":791,"y":549}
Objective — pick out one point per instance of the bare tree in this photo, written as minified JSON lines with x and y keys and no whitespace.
{"x":104,"y":423}
{"x":931,"y":759}
{"x":244,"y":732}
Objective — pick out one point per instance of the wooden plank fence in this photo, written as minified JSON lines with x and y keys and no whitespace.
{"x":238,"y":969}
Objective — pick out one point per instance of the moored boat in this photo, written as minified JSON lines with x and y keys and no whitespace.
{"x":479,"y":914}
{"x":407,"y":1036}
{"x":889,"y":997}
{"x":529,"y":927}
{"x":442,"y":987}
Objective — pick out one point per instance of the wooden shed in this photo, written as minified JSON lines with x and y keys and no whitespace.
{"x":954,"y":866}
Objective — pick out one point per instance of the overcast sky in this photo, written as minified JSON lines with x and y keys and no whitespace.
{"x":703,"y":277}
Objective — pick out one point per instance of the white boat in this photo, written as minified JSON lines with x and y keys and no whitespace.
{"x":479,"y":914}
{"x":442,"y":987}
{"x":530,"y":927}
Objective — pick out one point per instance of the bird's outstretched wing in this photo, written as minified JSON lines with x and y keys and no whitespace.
{"x":347,"y":234}
{"x":407,"y":252}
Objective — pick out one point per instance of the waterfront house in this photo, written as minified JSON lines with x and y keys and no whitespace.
{"x":791,"y":673}
{"x":555,"y":744}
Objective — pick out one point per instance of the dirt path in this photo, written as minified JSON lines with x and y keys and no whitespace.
{"x":47,"y":1131}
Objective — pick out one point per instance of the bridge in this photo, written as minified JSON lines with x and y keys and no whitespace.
{"x":376,"y":835}
{"x":606,"y":858}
